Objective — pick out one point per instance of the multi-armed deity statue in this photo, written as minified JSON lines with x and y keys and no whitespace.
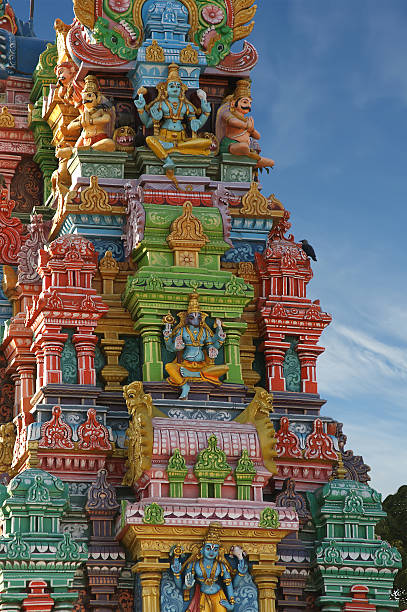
{"x":209,"y":575}
{"x":170,"y":113}
{"x":197,"y":347}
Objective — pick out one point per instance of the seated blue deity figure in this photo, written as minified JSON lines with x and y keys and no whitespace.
{"x":197,"y":346}
{"x":169,"y":113}
{"x":210,"y":574}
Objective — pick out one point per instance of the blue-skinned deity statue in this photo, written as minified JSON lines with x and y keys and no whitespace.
{"x":169,"y":114}
{"x":196,"y":346}
{"x":206,"y":578}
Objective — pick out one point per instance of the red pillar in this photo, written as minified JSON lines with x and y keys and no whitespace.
{"x":37,"y":599}
{"x":360,"y":602}
{"x":52,"y":345}
{"x":274,"y":364}
{"x":26,"y":373}
{"x":85,"y":350}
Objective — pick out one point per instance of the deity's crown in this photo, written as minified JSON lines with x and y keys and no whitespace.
{"x":91,"y":84}
{"x":213,"y":535}
{"x":243,"y":89}
{"x":173,"y":74}
{"x":193,"y":304}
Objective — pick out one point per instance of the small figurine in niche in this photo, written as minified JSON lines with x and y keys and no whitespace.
{"x":197,"y":347}
{"x":96,"y":118}
{"x":234,"y":130}
{"x":168,"y":113}
{"x":208,"y":570}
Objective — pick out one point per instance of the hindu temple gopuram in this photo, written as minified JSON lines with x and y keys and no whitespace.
{"x":163,"y":446}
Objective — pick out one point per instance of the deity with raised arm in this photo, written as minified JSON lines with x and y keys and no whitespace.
{"x":169,"y":113}
{"x":210,"y":574}
{"x":197,"y":347}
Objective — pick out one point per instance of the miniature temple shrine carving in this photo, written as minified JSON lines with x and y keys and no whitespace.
{"x":163,"y":445}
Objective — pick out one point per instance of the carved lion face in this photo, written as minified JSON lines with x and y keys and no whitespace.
{"x":124,"y":138}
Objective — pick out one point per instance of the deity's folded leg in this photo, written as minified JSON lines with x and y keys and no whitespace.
{"x":212,"y":373}
{"x":157,"y":147}
{"x":195,"y":146}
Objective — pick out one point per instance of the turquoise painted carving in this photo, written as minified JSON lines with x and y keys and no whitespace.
{"x":130,"y":358}
{"x":292,"y":366}
{"x":69,"y":362}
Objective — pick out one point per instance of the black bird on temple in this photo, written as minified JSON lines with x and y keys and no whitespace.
{"x":308,"y":249}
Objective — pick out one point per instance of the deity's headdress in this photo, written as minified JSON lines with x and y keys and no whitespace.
{"x":193,"y":304}
{"x":173,"y":74}
{"x":91,"y":84}
{"x":213,"y":535}
{"x":243,"y":89}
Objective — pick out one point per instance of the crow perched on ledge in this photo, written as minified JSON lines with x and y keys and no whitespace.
{"x":308,"y":249}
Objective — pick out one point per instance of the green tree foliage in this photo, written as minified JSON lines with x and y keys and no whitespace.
{"x":394,"y":529}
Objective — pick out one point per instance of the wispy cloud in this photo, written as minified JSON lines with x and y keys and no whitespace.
{"x":357,"y":363}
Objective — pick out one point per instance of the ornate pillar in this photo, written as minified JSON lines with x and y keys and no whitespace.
{"x":52,"y":346}
{"x":17,"y":391}
{"x":85,"y":350}
{"x":39,"y":355}
{"x":150,"y":578}
{"x":26,"y":372}
{"x":274,"y":366}
{"x":153,"y":365}
{"x":266,"y":576}
{"x":113,"y":373}
{"x":308,"y":359}
{"x":232,"y":351}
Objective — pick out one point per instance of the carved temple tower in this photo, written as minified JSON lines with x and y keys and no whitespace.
{"x":162,"y":441}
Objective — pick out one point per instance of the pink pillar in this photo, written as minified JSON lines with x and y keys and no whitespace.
{"x":85,"y":350}
{"x":274,"y":364}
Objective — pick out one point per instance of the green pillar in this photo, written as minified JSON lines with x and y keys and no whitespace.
{"x":233,"y":330}
{"x":153,"y":365}
{"x":177,"y":471}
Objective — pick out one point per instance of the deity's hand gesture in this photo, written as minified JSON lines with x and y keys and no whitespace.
{"x":179,"y":345}
{"x":140,"y":102}
{"x":212,"y":352}
{"x":189,"y":580}
{"x":242,"y":567}
{"x":221,"y":333}
{"x":250,"y":125}
{"x":167,"y":331}
{"x":176,"y":566}
{"x":205,"y":105}
{"x":156,"y":113}
{"x":195,"y":125}
{"x":227,"y":605}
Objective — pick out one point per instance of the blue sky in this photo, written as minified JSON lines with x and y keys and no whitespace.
{"x":331,"y":103}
